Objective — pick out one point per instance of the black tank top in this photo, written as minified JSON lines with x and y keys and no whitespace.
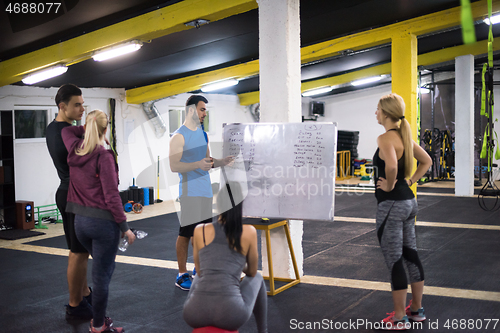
{"x":401,"y":190}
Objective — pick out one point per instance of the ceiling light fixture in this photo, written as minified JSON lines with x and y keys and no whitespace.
{"x":366,"y":81}
{"x":197,"y":23}
{"x":494,"y":19}
{"x":317,"y":91}
{"x":45,"y":74}
{"x":219,"y":85}
{"x":117,"y":50}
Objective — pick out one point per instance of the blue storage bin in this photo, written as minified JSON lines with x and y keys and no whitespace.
{"x":146,"y":196}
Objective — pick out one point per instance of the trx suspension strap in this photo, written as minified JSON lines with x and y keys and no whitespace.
{"x":419,"y":97}
{"x":489,"y":189}
{"x":112,"y":128}
{"x":468,"y":31}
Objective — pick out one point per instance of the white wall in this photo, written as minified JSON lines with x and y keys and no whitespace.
{"x":36,"y":177}
{"x":355,"y":111}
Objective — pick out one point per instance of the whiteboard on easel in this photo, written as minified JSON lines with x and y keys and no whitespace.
{"x":287,"y":169}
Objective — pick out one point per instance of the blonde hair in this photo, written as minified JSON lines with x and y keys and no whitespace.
{"x":95,"y":125}
{"x":393,"y":106}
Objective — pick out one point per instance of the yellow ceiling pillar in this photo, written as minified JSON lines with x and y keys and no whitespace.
{"x":404,"y":77}
{"x":404,"y":74}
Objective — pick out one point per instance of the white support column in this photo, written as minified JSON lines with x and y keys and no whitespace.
{"x":464,"y":125}
{"x":280,"y":101}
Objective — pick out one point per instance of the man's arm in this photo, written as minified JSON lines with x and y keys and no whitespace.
{"x":223,"y":162}
{"x":219,"y":162}
{"x":176,"y":149}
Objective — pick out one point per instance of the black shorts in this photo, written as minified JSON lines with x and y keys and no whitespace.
{"x":74,"y":244}
{"x":194,"y":210}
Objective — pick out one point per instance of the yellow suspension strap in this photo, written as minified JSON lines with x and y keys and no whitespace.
{"x":490,"y":90}
{"x":419,"y":101}
{"x":487,"y":103}
{"x":484,"y":149}
{"x":490,"y":38}
{"x":468,"y":31}
{"x":489,"y":189}
{"x":483,"y":92}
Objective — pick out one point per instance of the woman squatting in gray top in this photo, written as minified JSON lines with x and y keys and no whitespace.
{"x":222,"y":250}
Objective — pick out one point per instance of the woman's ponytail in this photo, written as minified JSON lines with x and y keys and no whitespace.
{"x":95,"y":125}
{"x":405,"y":132}
{"x":230,"y":207}
{"x":393,"y":106}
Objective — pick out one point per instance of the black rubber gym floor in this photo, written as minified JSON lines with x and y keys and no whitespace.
{"x":33,"y":288}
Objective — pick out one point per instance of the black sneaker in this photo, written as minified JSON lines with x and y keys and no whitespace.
{"x":89,"y":297}
{"x":83,"y":311}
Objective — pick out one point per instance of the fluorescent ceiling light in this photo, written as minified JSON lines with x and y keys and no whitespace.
{"x":424,"y":90}
{"x":494,"y":19}
{"x":219,"y":85}
{"x":366,"y":81}
{"x":117,"y":50}
{"x":45,"y":74}
{"x":317,"y":91}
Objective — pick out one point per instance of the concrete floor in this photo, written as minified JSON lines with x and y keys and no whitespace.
{"x":344,"y":289}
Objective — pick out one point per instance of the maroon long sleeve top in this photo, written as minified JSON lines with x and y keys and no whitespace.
{"x":93,"y":187}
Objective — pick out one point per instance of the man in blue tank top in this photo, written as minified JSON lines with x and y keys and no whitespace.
{"x":190,"y":157}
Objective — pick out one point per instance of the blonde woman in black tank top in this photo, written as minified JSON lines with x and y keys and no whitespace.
{"x":397,"y":209}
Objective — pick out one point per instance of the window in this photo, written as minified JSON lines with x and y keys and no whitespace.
{"x":176,"y":119}
{"x":30,"y":124}
{"x":206,"y":122}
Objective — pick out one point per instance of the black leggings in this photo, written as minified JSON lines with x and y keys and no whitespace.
{"x":396,"y":235}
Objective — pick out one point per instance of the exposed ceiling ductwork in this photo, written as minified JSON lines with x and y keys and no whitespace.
{"x":155,"y":117}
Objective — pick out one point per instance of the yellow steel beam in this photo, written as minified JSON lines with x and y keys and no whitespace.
{"x":175,"y":87}
{"x":419,"y":25}
{"x":404,"y":75}
{"x":425,"y":59}
{"x":249,"y":98}
{"x":152,"y":25}
{"x":443,"y":55}
{"x":345,"y":78}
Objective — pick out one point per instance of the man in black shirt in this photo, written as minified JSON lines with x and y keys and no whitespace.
{"x":69,"y":101}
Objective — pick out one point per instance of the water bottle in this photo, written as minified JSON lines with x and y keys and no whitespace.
{"x":139,"y":234}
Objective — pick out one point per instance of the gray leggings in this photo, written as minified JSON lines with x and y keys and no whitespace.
{"x":396,"y":235}
{"x":100,"y":238}
{"x":228,"y":312}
